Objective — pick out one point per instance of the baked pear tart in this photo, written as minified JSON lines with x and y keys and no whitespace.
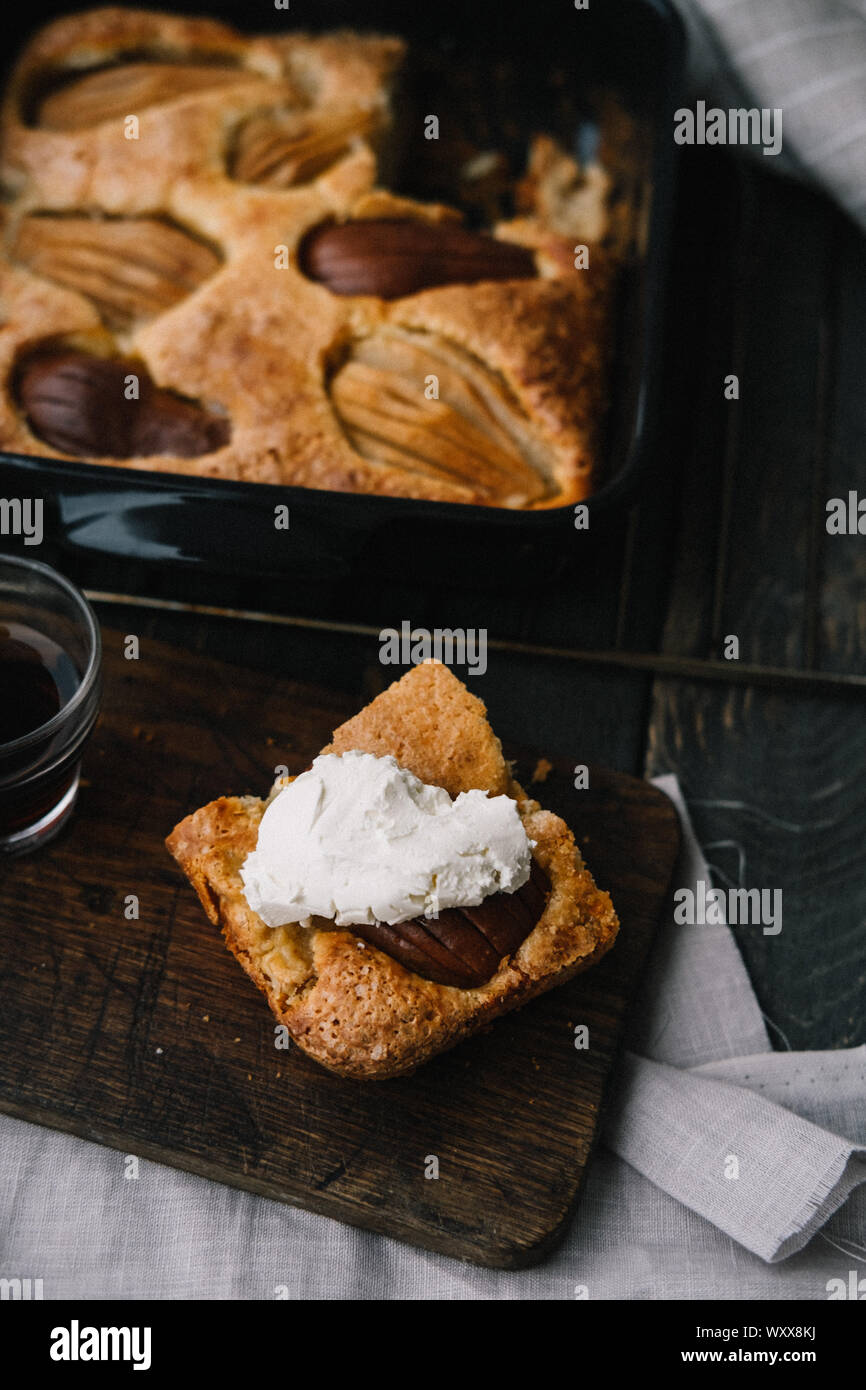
{"x":204,"y":271}
{"x":451,"y":896}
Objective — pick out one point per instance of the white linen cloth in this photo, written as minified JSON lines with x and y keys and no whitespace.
{"x":806,"y":58}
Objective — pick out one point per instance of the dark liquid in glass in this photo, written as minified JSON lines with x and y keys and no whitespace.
{"x":37,"y":678}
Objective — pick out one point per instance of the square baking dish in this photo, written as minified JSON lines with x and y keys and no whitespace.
{"x":552,"y":68}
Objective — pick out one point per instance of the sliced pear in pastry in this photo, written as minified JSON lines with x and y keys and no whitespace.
{"x":131,"y":268}
{"x":465,"y":424}
{"x":78,"y":403}
{"x":283,"y":148}
{"x":113,"y":92}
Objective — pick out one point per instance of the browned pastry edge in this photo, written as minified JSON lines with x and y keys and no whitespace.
{"x":348,"y":1005}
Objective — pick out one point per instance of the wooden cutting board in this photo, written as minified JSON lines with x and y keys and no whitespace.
{"x":146,"y":1036}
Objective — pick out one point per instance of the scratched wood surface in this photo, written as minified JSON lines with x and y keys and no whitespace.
{"x":775,"y":779}
{"x":145,"y":1035}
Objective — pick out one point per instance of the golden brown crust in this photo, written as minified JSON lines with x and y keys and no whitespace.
{"x":258,"y":340}
{"x":347,"y":1004}
{"x":435,"y":728}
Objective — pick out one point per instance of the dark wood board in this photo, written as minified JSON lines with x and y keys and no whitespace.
{"x":144,"y":1034}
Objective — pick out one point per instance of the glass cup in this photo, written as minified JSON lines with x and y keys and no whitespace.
{"x":50,"y":685}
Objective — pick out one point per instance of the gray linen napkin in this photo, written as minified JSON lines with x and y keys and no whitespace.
{"x":708,"y":1088}
{"x":693,"y":1113}
{"x":804,"y":57}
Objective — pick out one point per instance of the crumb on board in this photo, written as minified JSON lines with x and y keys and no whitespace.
{"x":542,"y":768}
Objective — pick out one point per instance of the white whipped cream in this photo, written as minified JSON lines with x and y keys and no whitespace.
{"x":359,"y":839}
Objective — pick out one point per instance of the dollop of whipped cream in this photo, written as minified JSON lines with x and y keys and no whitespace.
{"x":359,"y":839}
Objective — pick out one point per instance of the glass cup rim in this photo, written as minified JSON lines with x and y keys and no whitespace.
{"x":91,"y":672}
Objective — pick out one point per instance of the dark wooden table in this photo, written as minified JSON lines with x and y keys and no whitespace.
{"x":621,"y":659}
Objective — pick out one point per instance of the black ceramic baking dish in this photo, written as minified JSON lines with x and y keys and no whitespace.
{"x":627,"y":50}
